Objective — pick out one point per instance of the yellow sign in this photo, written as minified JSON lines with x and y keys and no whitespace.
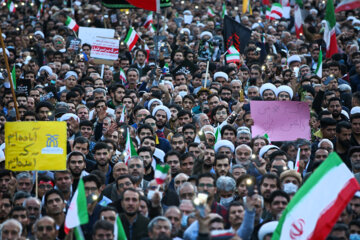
{"x":35,"y":146}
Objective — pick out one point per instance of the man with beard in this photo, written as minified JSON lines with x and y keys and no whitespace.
{"x":162,"y":115}
{"x":269,"y":183}
{"x":132,"y":220}
{"x":33,"y":207}
{"x":189,"y":132}
{"x":136,"y":170}
{"x":206,"y":184}
{"x":63,"y":183}
{"x":19,"y":213}
{"x":342,"y":144}
{"x":226,"y":95}
{"x":5,"y":206}
{"x":187,"y":161}
{"x":334,"y":107}
{"x":222,"y":165}
{"x":243,"y":155}
{"x":174,"y":214}
{"x":5,"y":178}
{"x":54,"y":205}
{"x":278,"y":202}
{"x":160,"y":228}
{"x":209,"y":159}
{"x":184,"y":117}
{"x":102,"y":157}
{"x":148,"y":129}
{"x":178,"y":143}
{"x":354,"y":156}
{"x":76,"y":164}
{"x":48,"y":224}
{"x":145,"y":153}
{"x":355,"y":127}
{"x":172,"y":158}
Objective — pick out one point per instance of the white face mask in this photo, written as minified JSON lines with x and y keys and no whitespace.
{"x":226,"y":201}
{"x":151,"y":193}
{"x":290,"y":188}
{"x":183,"y":93}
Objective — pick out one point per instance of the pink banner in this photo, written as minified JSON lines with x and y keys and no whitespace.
{"x":281,"y":120}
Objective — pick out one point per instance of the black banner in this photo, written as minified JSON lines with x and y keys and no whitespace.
{"x":123,"y":4}
{"x":235,"y":34}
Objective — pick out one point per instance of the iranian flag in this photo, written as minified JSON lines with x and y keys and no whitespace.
{"x":268,"y":12}
{"x":210,"y":12}
{"x":298,"y":19}
{"x":317,"y":205}
{"x":151,"y":5}
{"x":161,"y":172}
{"x":217,"y":134}
{"x":297,"y":161}
{"x":11,"y":6}
{"x":70,"y":23}
{"x":267,"y":137}
{"x":329,"y":32}
{"x":347,"y":5}
{"x":147,"y":50}
{"x":130,"y":150}
{"x":119,"y":232}
{"x":149,"y":20}
{"x":152,"y":28}
{"x":122,"y":117}
{"x":131,"y":38}
{"x":233,"y":55}
{"x":77,"y":213}
{"x":122,"y":76}
{"x":318,"y":70}
{"x":276,"y":11}
{"x":223,"y":12}
{"x":13,"y":77}
{"x":40,"y":10}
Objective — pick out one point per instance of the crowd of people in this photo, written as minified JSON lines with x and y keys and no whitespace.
{"x":183,"y":105}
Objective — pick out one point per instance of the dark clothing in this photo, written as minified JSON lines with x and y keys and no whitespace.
{"x":221,"y":210}
{"x":138,"y":229}
{"x":110,"y":191}
{"x":353,"y":141}
{"x":88,"y":228}
{"x":163,"y":145}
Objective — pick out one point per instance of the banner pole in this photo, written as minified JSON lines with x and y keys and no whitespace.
{"x":36,"y":184}
{"x":9,"y":77}
{"x":206,"y":74}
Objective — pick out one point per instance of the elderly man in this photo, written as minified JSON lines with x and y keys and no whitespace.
{"x":174,"y":214}
{"x":159,"y":228}
{"x":243,"y":155}
{"x":226,"y":188}
{"x":45,"y":229}
{"x":11,"y":229}
{"x":187,"y":191}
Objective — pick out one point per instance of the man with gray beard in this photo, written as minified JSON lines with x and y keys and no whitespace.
{"x":136,"y":170}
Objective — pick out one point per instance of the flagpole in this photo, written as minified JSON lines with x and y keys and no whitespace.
{"x":9,"y":76}
{"x":206,"y":74}
{"x":157,"y":35}
{"x":36,"y":184}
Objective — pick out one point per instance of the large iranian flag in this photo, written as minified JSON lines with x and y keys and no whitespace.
{"x":347,"y":5}
{"x":77,"y":213}
{"x":298,"y":19}
{"x":315,"y":208}
{"x":329,"y":32}
{"x":131,"y":38}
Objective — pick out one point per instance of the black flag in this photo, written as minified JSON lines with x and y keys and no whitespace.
{"x":235,"y":34}
{"x":123,"y":4}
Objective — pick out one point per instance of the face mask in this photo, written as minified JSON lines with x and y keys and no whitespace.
{"x":151,"y":193}
{"x":290,"y":188}
{"x":354,"y":236}
{"x":183,"y":93}
{"x":184,"y":219}
{"x":226,"y":201}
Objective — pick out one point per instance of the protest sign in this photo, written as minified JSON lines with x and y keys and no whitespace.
{"x":281,"y":120}
{"x":88,"y":35}
{"x":105,"y":50}
{"x":35,"y":146}
{"x":74,"y":43}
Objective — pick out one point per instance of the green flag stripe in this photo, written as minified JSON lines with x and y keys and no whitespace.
{"x":120,"y":229}
{"x":330,"y":14}
{"x":319,"y":62}
{"x":313,"y":180}
{"x":79,"y":235}
{"x":129,"y":34}
{"x":163,"y":168}
{"x":13,"y":76}
{"x":81,"y":203}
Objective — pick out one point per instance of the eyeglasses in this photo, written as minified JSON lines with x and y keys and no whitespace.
{"x":208,"y":185}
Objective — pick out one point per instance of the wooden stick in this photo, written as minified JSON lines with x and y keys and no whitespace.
{"x":36,"y":184}
{"x":9,"y":76}
{"x":206,"y":74}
